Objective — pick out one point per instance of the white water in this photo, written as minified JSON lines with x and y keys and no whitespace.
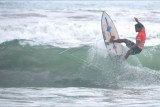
{"x":73,"y":28}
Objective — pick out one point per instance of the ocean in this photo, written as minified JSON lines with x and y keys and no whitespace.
{"x":52,"y":54}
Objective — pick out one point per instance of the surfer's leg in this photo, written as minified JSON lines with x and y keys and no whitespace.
{"x":129,"y":43}
{"x":127,"y":54}
{"x":120,"y":40}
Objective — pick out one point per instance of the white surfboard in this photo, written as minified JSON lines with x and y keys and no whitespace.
{"x":108,"y":30}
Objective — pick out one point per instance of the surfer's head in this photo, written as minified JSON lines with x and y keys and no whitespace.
{"x":138,"y":27}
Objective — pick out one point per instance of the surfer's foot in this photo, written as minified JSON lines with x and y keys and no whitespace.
{"x":112,"y":38}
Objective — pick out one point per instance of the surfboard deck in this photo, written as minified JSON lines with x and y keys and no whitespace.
{"x":109,"y":30}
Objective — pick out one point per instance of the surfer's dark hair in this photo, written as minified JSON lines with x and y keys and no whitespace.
{"x":138,"y":25}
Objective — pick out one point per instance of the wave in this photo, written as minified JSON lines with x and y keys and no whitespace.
{"x":85,"y":66}
{"x":62,"y":46}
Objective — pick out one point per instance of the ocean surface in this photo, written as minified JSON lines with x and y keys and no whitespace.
{"x":52,"y":54}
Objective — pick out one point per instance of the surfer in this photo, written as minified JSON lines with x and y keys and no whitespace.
{"x":134,"y":48}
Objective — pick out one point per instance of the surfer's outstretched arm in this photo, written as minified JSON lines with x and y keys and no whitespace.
{"x":136,"y":19}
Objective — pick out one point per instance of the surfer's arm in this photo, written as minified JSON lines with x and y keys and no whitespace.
{"x":136,"y":19}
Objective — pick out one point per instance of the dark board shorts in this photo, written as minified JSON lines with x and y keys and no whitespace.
{"x":135,"y":50}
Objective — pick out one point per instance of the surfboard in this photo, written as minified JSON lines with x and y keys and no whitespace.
{"x":109,"y":30}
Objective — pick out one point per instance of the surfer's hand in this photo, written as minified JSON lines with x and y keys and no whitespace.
{"x":136,"y":19}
